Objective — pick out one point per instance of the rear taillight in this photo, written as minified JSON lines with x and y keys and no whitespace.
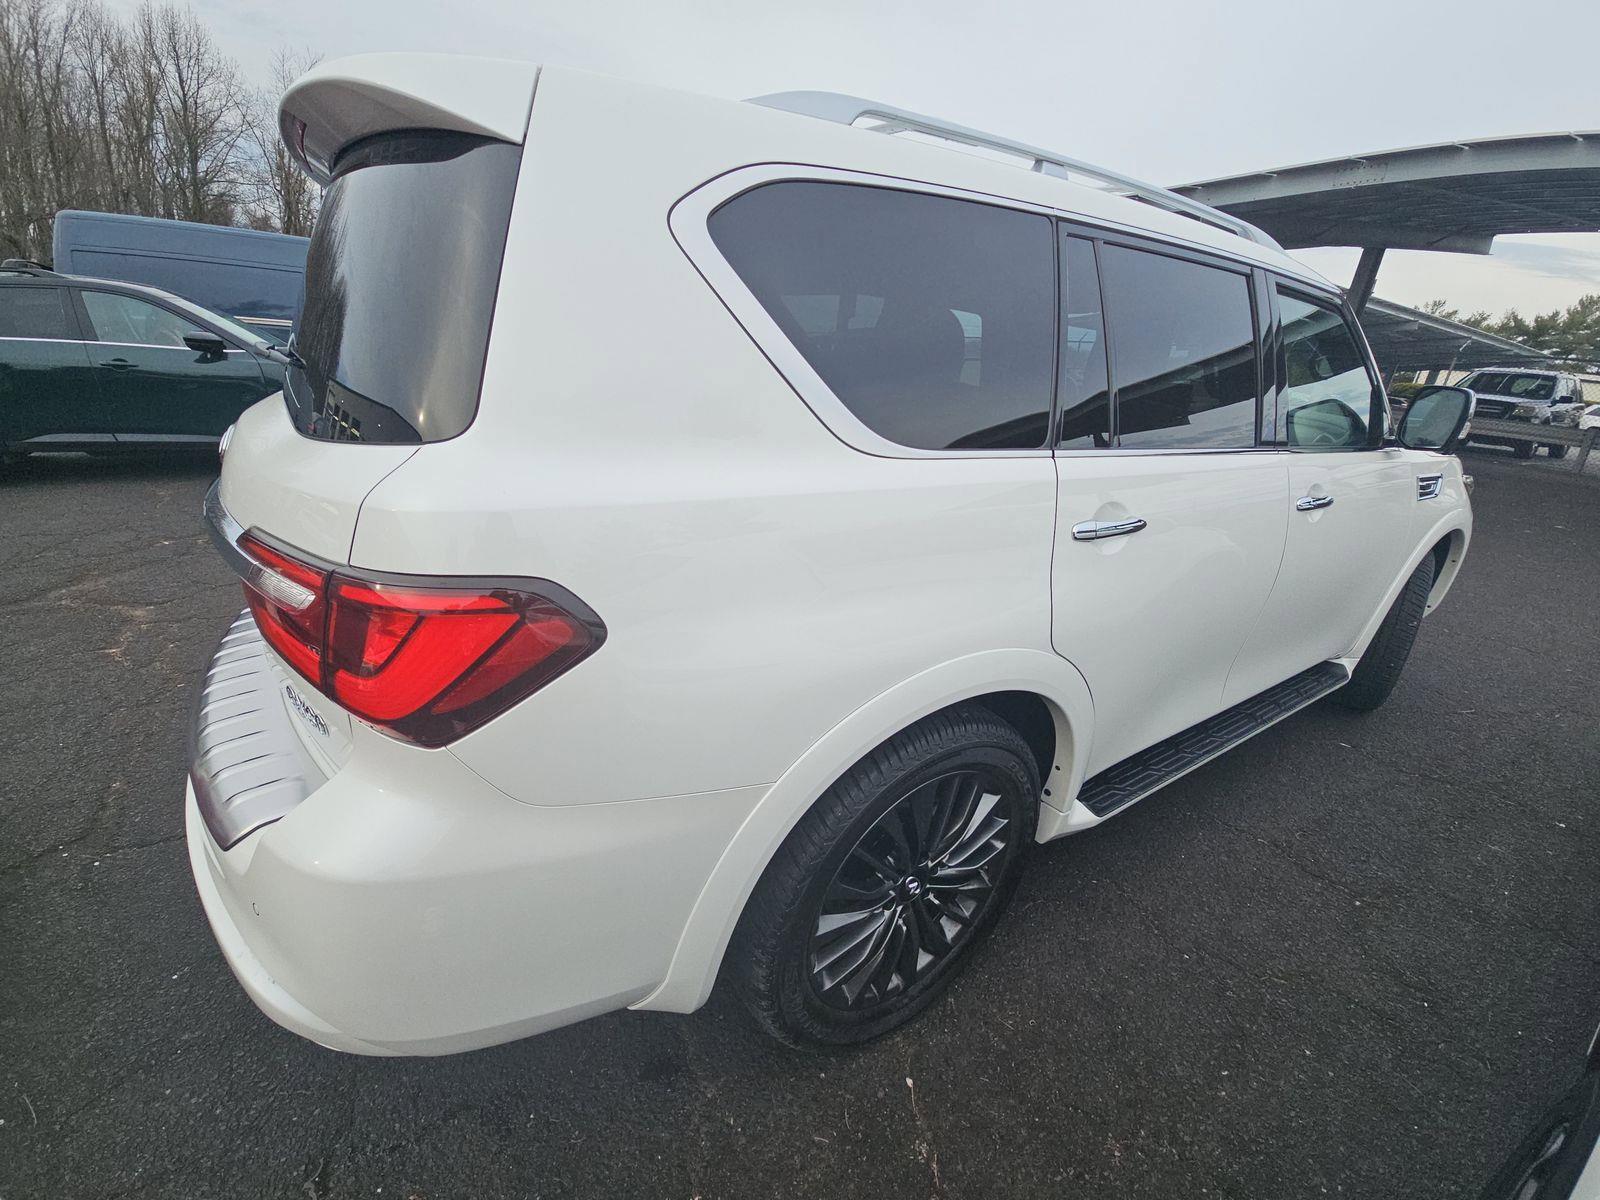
{"x":289,"y":602}
{"x":425,"y":659}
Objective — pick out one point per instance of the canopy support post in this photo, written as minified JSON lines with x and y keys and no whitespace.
{"x":1366,"y":277}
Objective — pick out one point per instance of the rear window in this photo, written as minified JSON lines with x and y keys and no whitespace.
{"x":931,"y":319}
{"x":400,"y":287}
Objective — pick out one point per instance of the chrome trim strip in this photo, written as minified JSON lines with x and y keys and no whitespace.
{"x":225,"y":534}
{"x":98,"y":342}
{"x":70,"y":439}
{"x":155,"y":346}
{"x":170,"y":439}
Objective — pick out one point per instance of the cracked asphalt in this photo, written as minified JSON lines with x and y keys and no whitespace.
{"x":1355,"y":957}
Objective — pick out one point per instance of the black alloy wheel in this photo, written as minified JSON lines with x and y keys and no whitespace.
{"x":882,"y":889}
{"x":912,"y":890}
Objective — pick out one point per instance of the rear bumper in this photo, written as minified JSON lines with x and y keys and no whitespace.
{"x":406,"y":906}
{"x":269,"y":996}
{"x":450,"y":931}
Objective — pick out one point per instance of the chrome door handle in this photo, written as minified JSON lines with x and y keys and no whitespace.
{"x":1309,"y":503}
{"x":1093,"y":531}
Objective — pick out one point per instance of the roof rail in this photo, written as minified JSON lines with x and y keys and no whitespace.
{"x":847,"y":110}
{"x":24,"y":266}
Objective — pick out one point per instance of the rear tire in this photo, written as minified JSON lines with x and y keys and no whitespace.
{"x":1379,"y":669}
{"x":1556,"y":451}
{"x":1523,"y":449}
{"x":875,"y":900}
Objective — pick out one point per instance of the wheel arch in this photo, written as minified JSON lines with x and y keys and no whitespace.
{"x":1446,"y":540}
{"x":1040,"y":693}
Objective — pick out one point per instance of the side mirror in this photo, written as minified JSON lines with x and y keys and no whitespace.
{"x":1324,"y":424}
{"x":207,"y":344}
{"x":1436,"y":419}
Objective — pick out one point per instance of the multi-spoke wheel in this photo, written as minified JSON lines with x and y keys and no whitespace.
{"x":911,"y":889}
{"x":882,"y":888}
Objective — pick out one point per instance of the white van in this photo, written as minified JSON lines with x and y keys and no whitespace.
{"x":708,"y":535}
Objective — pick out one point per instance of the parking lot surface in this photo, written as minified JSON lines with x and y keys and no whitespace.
{"x":1353,"y":957}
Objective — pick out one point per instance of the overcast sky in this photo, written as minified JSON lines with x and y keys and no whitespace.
{"x":1170,"y":92}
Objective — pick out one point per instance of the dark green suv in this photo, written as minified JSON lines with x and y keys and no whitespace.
{"x":91,"y":364}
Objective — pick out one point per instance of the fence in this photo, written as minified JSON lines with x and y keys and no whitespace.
{"x":1544,"y":435}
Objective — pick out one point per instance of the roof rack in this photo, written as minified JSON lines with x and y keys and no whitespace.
{"x":847,"y":110}
{"x":24,"y":266}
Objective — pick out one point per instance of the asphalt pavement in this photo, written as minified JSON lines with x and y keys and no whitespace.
{"x":1354,"y":957}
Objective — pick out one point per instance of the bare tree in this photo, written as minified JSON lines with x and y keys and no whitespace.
{"x":282,"y":197}
{"x":142,"y":114}
{"x":202,"y":118}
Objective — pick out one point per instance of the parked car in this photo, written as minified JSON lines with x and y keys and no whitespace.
{"x":92,"y":364}
{"x":1517,"y":394}
{"x":247,"y":274}
{"x":736,"y":549}
{"x":1558,"y":1159}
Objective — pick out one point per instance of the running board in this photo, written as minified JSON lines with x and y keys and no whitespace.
{"x":1136,"y":776}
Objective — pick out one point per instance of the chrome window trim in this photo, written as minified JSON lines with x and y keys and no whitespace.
{"x":156,"y":346}
{"x":689,"y":220}
{"x":78,"y":341}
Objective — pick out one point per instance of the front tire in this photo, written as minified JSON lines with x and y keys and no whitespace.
{"x":1523,"y":449}
{"x":1556,"y":451}
{"x":874,"y":901}
{"x":1379,"y":669}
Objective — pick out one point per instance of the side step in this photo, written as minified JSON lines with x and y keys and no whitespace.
{"x":1136,"y":776}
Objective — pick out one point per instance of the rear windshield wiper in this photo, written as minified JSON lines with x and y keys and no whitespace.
{"x":289,"y":352}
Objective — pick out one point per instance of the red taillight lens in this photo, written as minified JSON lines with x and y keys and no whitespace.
{"x":428,"y":659}
{"x":288,"y":600}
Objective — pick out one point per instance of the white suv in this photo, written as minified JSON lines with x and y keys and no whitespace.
{"x":700,"y":535}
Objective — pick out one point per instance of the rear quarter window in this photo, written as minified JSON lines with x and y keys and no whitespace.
{"x":931,"y":319}
{"x":35,"y":312}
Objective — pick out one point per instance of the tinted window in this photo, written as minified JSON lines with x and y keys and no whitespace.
{"x":1182,"y":351}
{"x":34,"y":312}
{"x":400,"y":287}
{"x":931,"y":319}
{"x":1521,"y":385}
{"x":127,"y":319}
{"x":1327,"y":395}
{"x":1084,"y":398}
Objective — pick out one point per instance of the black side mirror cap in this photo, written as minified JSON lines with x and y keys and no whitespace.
{"x":206,"y":343}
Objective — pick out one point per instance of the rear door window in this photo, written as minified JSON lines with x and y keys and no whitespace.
{"x":35,"y":312}
{"x":931,"y":319}
{"x":1183,"y":351}
{"x":1329,"y":397}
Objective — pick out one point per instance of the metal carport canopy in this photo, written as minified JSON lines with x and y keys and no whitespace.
{"x":1455,"y":196}
{"x":1406,"y":339}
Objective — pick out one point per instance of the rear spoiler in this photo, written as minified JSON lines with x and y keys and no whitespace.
{"x":346,"y":99}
